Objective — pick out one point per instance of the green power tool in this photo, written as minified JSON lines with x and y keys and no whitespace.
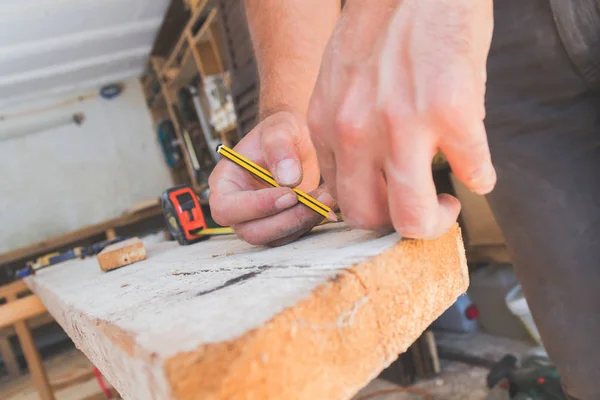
{"x":534,"y":378}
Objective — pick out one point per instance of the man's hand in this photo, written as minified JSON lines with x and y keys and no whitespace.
{"x":400,"y":80}
{"x":260,"y":214}
{"x":288,"y":38}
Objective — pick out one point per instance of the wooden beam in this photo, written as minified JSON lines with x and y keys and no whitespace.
{"x":9,"y":358}
{"x":35,"y":322}
{"x":9,"y":293}
{"x":13,"y":289}
{"x":16,"y":312}
{"x":315,"y":319}
{"x":34,"y":361}
{"x":20,"y":310}
{"x":205,"y":28}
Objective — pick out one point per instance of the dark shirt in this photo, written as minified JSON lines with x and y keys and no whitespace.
{"x":578,"y":23}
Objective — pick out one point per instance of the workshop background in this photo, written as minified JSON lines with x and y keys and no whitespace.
{"x":105,"y":104}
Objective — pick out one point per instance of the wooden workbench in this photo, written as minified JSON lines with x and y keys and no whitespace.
{"x":315,"y":319}
{"x":134,"y":218}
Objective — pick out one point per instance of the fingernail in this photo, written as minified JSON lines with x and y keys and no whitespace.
{"x":288,"y":172}
{"x":286,"y":201}
{"x":483,"y":180}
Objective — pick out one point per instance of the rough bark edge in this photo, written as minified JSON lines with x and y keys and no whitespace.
{"x":339,"y":338}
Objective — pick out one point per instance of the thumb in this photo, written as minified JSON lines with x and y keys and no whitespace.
{"x":280,"y":135}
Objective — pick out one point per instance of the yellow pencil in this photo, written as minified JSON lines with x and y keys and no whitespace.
{"x":266,"y":176}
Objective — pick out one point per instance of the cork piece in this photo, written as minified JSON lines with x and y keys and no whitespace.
{"x":122,"y":253}
{"x":316,"y":319}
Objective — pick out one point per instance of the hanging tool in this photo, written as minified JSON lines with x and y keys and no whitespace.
{"x":210,"y":138}
{"x":168,"y":143}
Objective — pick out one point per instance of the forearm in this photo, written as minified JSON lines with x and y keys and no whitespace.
{"x":289,"y":37}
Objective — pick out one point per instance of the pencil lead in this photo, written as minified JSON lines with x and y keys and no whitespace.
{"x":332,"y":217}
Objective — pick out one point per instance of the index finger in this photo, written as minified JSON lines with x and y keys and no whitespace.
{"x":234,"y":199}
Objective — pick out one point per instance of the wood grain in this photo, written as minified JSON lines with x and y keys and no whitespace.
{"x":121,"y":254}
{"x":315,"y":319}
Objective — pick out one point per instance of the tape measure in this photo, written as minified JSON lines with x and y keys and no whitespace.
{"x":184,"y":217}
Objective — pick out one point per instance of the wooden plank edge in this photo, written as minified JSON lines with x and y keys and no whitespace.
{"x":105,"y":345}
{"x":341,"y":337}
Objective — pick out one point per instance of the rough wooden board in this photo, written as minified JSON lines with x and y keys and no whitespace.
{"x":316,"y":319}
{"x":121,"y":254}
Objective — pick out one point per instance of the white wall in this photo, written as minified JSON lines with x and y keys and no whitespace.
{"x":58,"y":179}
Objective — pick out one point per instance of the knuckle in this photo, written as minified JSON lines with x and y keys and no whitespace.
{"x":441,"y":105}
{"x":263,"y":205}
{"x":390,"y":116}
{"x":348,"y":129}
{"x":282,"y":124}
{"x":297,"y":220}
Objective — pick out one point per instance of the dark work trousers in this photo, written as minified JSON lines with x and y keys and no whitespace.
{"x":543,"y":125}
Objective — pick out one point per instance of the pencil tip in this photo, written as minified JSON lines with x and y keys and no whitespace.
{"x":332,"y":217}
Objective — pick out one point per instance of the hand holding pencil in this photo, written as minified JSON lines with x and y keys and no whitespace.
{"x":258,"y":212}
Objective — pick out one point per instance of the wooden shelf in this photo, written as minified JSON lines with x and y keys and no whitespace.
{"x":171,"y":62}
{"x":204,"y":33}
{"x":196,"y":55}
{"x":187,"y":71}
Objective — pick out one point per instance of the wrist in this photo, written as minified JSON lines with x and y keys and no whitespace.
{"x":270,"y":108}
{"x":289,"y":91}
{"x":288,"y":39}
